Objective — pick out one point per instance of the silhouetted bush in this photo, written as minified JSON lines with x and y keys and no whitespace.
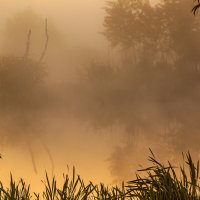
{"x":21,"y":82}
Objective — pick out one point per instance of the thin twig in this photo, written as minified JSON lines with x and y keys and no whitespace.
{"x":50,"y":156}
{"x":26,"y":54}
{"x":33,"y":160}
{"x":46,"y":43}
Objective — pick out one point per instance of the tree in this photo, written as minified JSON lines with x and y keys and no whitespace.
{"x":160,"y":31}
{"x":20,"y":24}
{"x":21,"y":78}
{"x":22,"y":81}
{"x":158,"y":88}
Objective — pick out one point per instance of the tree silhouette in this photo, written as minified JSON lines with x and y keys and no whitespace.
{"x":160,"y":31}
{"x":156,"y":84}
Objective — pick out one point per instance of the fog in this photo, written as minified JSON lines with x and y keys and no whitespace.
{"x":115,"y":80}
{"x":74,"y":38}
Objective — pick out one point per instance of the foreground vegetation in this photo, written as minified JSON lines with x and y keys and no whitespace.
{"x":158,"y":182}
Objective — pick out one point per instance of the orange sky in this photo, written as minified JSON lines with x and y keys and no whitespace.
{"x":71,"y":16}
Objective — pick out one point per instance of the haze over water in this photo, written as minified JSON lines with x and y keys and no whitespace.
{"x":109,"y":90}
{"x":69,"y":142}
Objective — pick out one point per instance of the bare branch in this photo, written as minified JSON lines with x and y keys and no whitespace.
{"x":46,"y":43}
{"x":33,"y":160}
{"x":26,"y":54}
{"x":196,"y":7}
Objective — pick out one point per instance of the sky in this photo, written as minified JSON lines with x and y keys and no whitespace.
{"x":70,"y":16}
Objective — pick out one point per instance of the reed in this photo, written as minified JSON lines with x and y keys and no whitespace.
{"x":157,"y":182}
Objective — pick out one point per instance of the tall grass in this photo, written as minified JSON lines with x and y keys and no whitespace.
{"x":157,"y":182}
{"x":162,"y":182}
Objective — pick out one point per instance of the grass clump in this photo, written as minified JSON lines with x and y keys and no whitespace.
{"x":157,"y":182}
{"x":162,"y":182}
